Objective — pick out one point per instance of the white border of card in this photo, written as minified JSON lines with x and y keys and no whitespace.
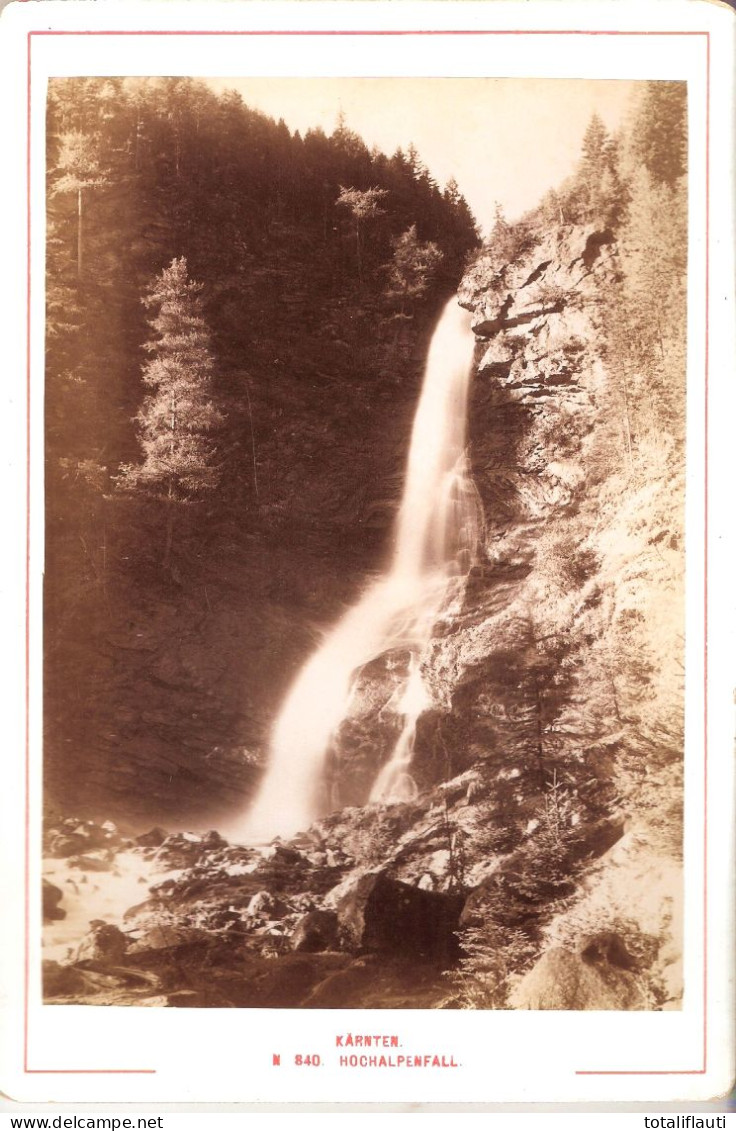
{"x":95,"y":1055}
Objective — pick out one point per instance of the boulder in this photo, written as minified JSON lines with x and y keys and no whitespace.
{"x":153,"y":838}
{"x":67,"y":844}
{"x":179,"y":850}
{"x":606,"y":947}
{"x":315,"y":931}
{"x":62,"y":981}
{"x":282,"y":854}
{"x":95,"y":836}
{"x":92,"y":861}
{"x":51,"y":898}
{"x":563,"y":980}
{"x":594,"y":840}
{"x":263,"y":905}
{"x":104,"y":943}
{"x":213,"y":839}
{"x":168,"y":936}
{"x":379,"y":913}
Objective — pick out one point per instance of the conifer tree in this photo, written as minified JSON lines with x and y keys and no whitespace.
{"x":80,"y":168}
{"x":659,"y":132}
{"x":452,"y":193}
{"x":177,"y":419}
{"x":595,"y":172}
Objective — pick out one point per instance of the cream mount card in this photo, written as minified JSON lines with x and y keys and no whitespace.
{"x":367,"y":610}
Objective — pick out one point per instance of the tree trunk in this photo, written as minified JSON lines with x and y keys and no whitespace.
{"x":539,"y":727}
{"x":627,"y":414}
{"x":170,"y":501}
{"x":252,"y":440}
{"x":169,"y":540}
{"x":79,"y":232}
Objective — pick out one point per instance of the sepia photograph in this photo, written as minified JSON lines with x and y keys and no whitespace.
{"x":363,"y":598}
{"x":368,"y":605}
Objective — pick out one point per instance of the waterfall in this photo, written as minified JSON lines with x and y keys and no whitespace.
{"x":437,"y":531}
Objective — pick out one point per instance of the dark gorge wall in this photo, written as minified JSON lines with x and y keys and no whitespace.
{"x":162,"y":677}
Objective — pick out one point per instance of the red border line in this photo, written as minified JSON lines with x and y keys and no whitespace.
{"x":89,"y":1072}
{"x":705,"y":554}
{"x":406,"y":31}
{"x":369,"y":32}
{"x":27,"y":844}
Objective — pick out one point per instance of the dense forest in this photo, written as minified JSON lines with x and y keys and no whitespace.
{"x":315,"y":268}
{"x":237,"y":321}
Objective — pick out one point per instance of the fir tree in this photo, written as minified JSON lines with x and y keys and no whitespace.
{"x":177,"y":420}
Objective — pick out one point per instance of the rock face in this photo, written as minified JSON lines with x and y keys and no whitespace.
{"x":104,"y":943}
{"x":315,"y":931}
{"x":73,"y":837}
{"x":561,"y":980}
{"x":382,"y":914}
{"x":153,"y":838}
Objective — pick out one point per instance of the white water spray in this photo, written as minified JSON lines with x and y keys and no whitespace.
{"x":437,"y":531}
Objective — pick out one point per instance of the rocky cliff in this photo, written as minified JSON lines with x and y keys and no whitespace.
{"x":538,"y":867}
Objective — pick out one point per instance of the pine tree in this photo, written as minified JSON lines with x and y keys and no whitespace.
{"x":177,"y":420}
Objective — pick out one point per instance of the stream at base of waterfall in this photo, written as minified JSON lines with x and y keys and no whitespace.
{"x":437,"y":532}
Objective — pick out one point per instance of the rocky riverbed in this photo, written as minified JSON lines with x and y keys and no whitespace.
{"x":373,"y":907}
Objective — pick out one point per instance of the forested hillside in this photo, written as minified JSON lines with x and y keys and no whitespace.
{"x":316,"y":268}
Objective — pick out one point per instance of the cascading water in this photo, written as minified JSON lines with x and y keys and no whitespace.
{"x":437,"y":532}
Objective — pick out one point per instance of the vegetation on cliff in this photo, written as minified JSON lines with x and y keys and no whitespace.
{"x":585,"y":317}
